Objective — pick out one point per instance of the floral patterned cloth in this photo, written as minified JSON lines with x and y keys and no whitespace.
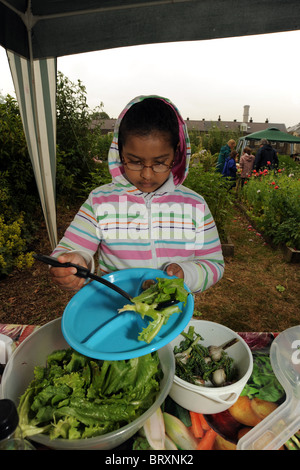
{"x":17,"y":332}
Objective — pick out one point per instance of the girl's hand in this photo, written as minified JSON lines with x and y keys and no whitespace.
{"x":175,"y":270}
{"x":65,"y":277}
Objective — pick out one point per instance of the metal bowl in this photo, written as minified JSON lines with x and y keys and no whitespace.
{"x":34,"y":350}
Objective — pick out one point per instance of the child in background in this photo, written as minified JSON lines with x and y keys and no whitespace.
{"x":246,"y":164}
{"x":230,"y":169}
{"x":145,"y":217}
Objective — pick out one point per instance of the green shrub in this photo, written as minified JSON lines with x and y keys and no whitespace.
{"x":102,"y":144}
{"x":19,"y":200}
{"x":13,"y":246}
{"x":217,"y":136}
{"x":97,"y":177}
{"x":273,"y":202}
{"x":205,"y":159}
{"x":289,"y":165}
{"x":216,"y":191}
{"x":16,"y":175}
{"x":195,"y":140}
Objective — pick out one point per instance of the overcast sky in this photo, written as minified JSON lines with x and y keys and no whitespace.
{"x":204,"y":79}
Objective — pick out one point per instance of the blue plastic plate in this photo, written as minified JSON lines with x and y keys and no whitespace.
{"x":92,"y":325}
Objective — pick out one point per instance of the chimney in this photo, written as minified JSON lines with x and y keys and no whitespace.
{"x":246,"y":113}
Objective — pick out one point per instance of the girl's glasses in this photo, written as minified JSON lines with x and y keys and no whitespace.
{"x":156,"y":167}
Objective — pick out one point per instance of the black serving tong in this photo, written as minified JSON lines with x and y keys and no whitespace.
{"x":85,"y":273}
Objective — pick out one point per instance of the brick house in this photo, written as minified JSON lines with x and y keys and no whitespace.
{"x":244,"y":127}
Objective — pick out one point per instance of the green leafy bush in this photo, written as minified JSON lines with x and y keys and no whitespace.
{"x":217,"y":136}
{"x":273,"y":203}
{"x":216,"y":191}
{"x":206,"y":160}
{"x":19,"y":200}
{"x":77,"y":142}
{"x":99,"y":174}
{"x":16,"y":174}
{"x":102,"y":144}
{"x":213,"y":139}
{"x":97,"y":177}
{"x":13,"y":246}
{"x":289,"y":165}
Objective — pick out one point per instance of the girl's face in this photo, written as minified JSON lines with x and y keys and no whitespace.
{"x":145,"y":151}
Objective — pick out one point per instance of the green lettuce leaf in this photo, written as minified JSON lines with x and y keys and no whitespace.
{"x":263,"y":383}
{"x":76,"y":397}
{"x":146,"y":303}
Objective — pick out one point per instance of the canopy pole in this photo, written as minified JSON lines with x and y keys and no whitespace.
{"x":48,"y":211}
{"x":35,"y":86}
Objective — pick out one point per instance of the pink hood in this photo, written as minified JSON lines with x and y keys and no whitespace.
{"x":180,"y":168}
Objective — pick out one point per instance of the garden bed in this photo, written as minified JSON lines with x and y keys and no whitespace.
{"x":228,"y":248}
{"x":290,"y":254}
{"x":271,"y":202}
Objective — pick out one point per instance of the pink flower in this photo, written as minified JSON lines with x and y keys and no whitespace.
{"x":268,"y":163}
{"x":273,"y":182}
{"x":276,"y":187}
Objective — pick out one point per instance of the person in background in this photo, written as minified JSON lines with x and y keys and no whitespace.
{"x":224,"y":153}
{"x":266,"y":156}
{"x":145,"y":218}
{"x":230,"y":169}
{"x":246,"y":164}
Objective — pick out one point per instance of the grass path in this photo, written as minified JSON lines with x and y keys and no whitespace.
{"x":247,"y":298}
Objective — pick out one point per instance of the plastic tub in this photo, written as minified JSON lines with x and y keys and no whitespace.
{"x":277,"y":428}
{"x":210,"y":400}
{"x":34,"y":350}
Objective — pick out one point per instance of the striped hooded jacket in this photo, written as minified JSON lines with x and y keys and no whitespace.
{"x":131,"y":229}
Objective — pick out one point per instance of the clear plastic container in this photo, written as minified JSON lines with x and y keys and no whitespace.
{"x":284,"y":422}
{"x":9,"y":421}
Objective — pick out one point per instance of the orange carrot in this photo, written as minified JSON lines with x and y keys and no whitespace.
{"x":196,"y":425}
{"x":207,"y":441}
{"x":204,"y":424}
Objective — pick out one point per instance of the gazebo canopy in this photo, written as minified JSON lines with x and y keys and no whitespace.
{"x":37,"y":29}
{"x":273,"y":135}
{"x":36,"y":32}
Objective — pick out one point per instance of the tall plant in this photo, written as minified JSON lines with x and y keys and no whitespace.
{"x":77,"y":144}
{"x":18,"y":191}
{"x":273,"y":203}
{"x":216,"y":191}
{"x":217,"y":136}
{"x":19,"y":199}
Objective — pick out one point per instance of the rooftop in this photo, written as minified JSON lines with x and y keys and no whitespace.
{"x":107,"y":125}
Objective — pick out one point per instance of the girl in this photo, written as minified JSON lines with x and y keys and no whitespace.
{"x":145,"y":217}
{"x":246,"y":164}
